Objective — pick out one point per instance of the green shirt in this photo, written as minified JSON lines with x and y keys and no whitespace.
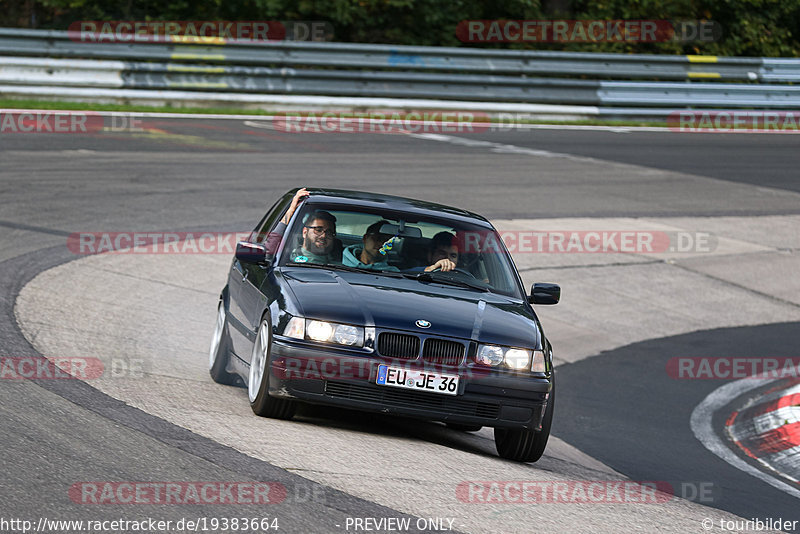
{"x":301,"y":255}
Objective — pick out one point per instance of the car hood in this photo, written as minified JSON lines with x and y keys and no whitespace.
{"x":397,"y":303}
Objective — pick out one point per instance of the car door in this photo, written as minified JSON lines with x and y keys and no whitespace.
{"x":237,"y":330}
{"x":248,"y":278}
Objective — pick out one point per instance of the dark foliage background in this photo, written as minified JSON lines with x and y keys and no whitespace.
{"x":750,"y":27}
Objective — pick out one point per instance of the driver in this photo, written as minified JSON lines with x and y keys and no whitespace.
{"x":442,"y":254}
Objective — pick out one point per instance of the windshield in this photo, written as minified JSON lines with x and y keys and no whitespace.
{"x":392,"y":244}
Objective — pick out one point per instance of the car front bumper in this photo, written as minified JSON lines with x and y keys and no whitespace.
{"x":335,"y":377}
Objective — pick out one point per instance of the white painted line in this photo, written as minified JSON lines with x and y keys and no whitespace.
{"x":501,"y":148}
{"x":262,"y":125}
{"x":703,"y":430}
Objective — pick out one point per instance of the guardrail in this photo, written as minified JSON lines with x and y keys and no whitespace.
{"x":417,"y":58}
{"x":60,"y":59}
{"x":245,"y":79}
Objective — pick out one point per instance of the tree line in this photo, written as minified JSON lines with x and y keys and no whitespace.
{"x":740,"y":27}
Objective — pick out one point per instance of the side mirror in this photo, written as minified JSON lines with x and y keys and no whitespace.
{"x":542,"y":293}
{"x":247,"y":252}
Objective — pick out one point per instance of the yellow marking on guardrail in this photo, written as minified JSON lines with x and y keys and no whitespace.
{"x":702,"y":59}
{"x":705,"y":75}
{"x":186,"y":68}
{"x":199,"y":39}
{"x":209,"y":57}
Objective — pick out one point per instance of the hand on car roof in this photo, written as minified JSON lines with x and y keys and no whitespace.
{"x":298,"y":197}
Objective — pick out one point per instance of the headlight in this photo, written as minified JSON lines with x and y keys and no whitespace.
{"x":490,"y":355}
{"x":494,"y":355}
{"x":538,"y":364}
{"x":518,"y":358}
{"x":296,"y":328}
{"x":343,"y":334}
{"x":319,"y":330}
{"x":348,"y":335}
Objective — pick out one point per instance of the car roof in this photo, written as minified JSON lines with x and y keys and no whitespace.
{"x":345,"y":197}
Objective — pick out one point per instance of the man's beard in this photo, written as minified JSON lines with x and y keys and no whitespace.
{"x":312,"y":246}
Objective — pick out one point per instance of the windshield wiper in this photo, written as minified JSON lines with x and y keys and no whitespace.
{"x":441,"y":278}
{"x":340,"y":267}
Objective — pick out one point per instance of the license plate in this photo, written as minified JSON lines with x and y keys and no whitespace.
{"x":418,"y":380}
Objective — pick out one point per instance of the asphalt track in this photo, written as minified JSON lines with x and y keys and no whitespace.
{"x":652,"y":440}
{"x":221,"y":175}
{"x":712,"y":155}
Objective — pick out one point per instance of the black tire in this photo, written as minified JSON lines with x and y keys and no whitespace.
{"x":523,"y":445}
{"x":258,"y":381}
{"x":463,"y":428}
{"x":219,"y":352}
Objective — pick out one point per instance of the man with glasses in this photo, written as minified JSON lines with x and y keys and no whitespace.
{"x":319,"y":234}
{"x":319,"y":238}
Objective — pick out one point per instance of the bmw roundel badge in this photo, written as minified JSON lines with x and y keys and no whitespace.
{"x":422,"y":323}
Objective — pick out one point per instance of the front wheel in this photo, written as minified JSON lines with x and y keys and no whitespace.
{"x":523,"y":445}
{"x":258,"y":381}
